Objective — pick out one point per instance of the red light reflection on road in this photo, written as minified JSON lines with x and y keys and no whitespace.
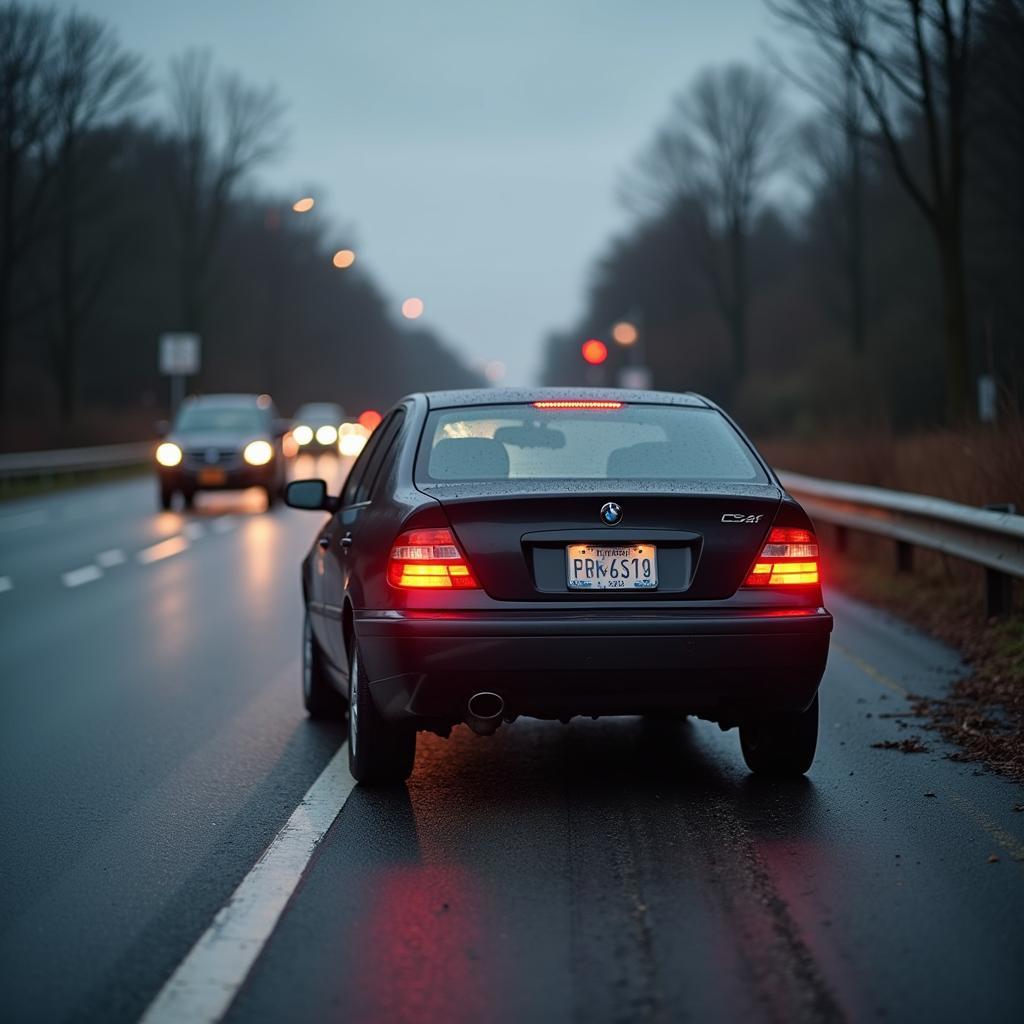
{"x":422,"y":960}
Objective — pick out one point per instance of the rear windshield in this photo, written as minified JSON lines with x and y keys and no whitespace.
{"x":520,"y":442}
{"x":239,"y":419}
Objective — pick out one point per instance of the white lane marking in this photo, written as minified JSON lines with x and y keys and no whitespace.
{"x":164,"y":549}
{"x":23,"y":520}
{"x":87,"y":574}
{"x":5,"y":584}
{"x":194,"y":531}
{"x":223,"y":524}
{"x":108,"y":559}
{"x":207,"y":980}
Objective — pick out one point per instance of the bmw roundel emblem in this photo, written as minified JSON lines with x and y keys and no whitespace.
{"x":611,"y":513}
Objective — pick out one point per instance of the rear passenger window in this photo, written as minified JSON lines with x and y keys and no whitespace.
{"x":383,"y":437}
{"x":359,"y":468}
{"x":389,"y":448}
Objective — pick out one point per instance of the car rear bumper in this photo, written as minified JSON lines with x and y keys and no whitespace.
{"x":720,"y":665}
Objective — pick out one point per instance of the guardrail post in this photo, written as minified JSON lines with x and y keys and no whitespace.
{"x":998,"y":594}
{"x":904,"y":556}
{"x":999,"y":586}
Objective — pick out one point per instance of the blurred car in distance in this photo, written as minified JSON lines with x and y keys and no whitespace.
{"x":315,"y":426}
{"x":221,"y":443}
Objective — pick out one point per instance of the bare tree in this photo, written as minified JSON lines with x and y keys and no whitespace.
{"x":224,"y":128}
{"x":834,"y":170}
{"x":90,"y":81}
{"x":715,"y":156}
{"x":911,"y":62}
{"x":26,"y":40}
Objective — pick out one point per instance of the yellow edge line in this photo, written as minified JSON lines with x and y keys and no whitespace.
{"x":870,"y":670}
{"x":1009,"y":843}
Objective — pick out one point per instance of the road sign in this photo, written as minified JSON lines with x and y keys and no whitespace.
{"x":987,"y":398}
{"x":179,"y":354}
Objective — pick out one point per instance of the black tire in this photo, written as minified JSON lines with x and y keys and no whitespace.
{"x":166,"y":497}
{"x":188,"y":499}
{"x":272,"y":494}
{"x":380,"y":753}
{"x":320,"y":698}
{"x":783,"y":746}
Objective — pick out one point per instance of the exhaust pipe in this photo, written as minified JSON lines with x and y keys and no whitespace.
{"x":483,"y":712}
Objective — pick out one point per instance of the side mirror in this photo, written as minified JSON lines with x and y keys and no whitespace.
{"x":162,"y":428}
{"x":311,"y":495}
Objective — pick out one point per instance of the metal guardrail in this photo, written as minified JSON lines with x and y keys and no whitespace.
{"x":25,"y":465}
{"x":991,"y":537}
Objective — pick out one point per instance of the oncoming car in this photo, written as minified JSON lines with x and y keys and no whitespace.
{"x":554,"y":553}
{"x":222,"y":442}
{"x":316,"y":426}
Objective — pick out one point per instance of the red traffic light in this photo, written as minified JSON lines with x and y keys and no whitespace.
{"x":370,"y":419}
{"x":594,"y":351}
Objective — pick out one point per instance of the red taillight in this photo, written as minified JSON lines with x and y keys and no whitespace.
{"x":788,"y":558}
{"x":577,"y":403}
{"x":429,"y":559}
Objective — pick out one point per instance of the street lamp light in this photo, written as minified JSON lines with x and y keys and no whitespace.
{"x":625,"y":333}
{"x":412,"y":308}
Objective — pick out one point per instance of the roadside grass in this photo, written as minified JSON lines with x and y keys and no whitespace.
{"x":983,"y":714}
{"x":32,"y":487}
{"x":978,"y":466}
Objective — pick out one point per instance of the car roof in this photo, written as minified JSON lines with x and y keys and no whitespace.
{"x":517,"y":396}
{"x":225,"y":400}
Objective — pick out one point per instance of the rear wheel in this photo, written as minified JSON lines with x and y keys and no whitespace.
{"x":166,"y":497}
{"x":379,"y":752}
{"x":782,"y":746}
{"x":188,"y":498}
{"x":320,"y":698}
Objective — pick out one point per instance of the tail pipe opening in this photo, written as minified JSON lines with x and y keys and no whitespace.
{"x":484,"y":711}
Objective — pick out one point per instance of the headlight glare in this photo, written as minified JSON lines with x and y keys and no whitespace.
{"x":168,"y":454}
{"x":326,"y":434}
{"x":258,"y":453}
{"x":303,"y":434}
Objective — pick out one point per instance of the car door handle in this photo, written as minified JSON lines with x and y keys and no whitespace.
{"x":324,"y":542}
{"x":346,"y":541}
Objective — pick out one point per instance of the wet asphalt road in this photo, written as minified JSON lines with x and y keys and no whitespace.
{"x":152,"y":744}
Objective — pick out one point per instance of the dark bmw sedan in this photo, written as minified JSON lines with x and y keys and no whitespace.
{"x":222,"y":442}
{"x":555,"y":553}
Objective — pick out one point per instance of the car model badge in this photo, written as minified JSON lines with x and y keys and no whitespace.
{"x":611,"y":514}
{"x":211,"y":455}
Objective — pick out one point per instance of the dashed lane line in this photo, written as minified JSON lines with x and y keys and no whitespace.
{"x":206,"y":982}
{"x":5,"y":584}
{"x":76,"y":577}
{"x":164,"y":549}
{"x":193,"y":531}
{"x":111,"y":558}
{"x":223,"y":524}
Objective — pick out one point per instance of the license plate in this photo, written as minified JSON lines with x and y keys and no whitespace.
{"x":600,"y":567}
{"x":210,"y":477}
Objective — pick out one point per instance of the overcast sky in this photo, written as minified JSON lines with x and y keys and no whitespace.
{"x":472,"y":146}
